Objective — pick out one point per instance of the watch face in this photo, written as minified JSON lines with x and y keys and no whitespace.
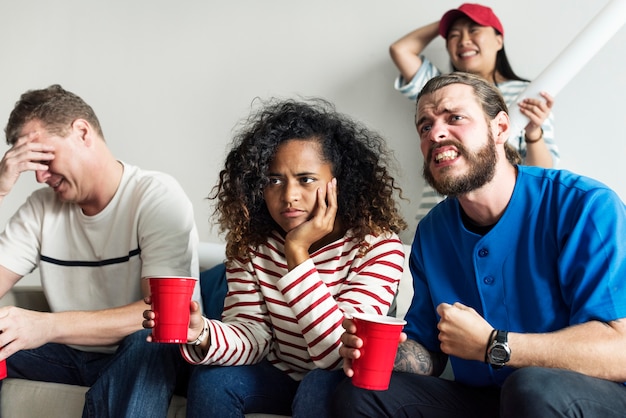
{"x":499,"y":354}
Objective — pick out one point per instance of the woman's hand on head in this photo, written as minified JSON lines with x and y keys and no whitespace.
{"x":322,"y":221}
{"x":299,"y":240}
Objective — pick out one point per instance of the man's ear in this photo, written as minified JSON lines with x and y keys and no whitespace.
{"x":83,"y":130}
{"x":501,"y":126}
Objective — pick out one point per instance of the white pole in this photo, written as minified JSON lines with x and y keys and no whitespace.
{"x":589,"y":41}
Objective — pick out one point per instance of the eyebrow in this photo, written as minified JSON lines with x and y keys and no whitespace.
{"x":446,"y":110}
{"x":437,"y":111}
{"x":420,"y":121}
{"x":304,"y":173}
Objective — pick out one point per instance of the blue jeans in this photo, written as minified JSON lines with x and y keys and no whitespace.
{"x":233,"y":391}
{"x":137,"y":380}
{"x":528,"y":392}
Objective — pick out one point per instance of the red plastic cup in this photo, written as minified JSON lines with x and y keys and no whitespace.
{"x":380,"y":335}
{"x":3,"y":369}
{"x":170,"y":303}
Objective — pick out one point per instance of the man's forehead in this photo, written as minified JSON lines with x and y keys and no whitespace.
{"x":33,"y":128}
{"x":30,"y":126}
{"x":452,"y":96}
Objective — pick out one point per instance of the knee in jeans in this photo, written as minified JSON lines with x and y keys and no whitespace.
{"x":213,"y":389}
{"x":214,"y":381}
{"x":315,"y":392}
{"x":346,"y":399}
{"x":525,"y":385}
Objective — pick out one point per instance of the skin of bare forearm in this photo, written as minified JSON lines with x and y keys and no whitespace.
{"x":538,"y":154}
{"x":412,"y":357}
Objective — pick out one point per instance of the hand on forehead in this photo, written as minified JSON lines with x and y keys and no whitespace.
{"x":29,"y":136}
{"x":30,"y":131}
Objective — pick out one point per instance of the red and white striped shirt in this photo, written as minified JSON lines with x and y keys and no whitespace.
{"x":294,"y":317}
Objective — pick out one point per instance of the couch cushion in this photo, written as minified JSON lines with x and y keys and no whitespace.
{"x":405,"y":288}
{"x":213,"y":288}
{"x":30,"y":399}
{"x":8,"y":299}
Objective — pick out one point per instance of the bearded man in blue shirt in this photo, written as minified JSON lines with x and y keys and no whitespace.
{"x":519,"y":279}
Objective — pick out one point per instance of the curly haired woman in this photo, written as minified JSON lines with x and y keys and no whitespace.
{"x":307,"y":203}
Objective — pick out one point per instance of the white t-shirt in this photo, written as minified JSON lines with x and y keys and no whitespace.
{"x":97,"y":262}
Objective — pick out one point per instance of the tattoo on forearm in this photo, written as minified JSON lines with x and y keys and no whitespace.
{"x":411,"y":357}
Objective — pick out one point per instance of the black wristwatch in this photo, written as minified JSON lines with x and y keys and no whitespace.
{"x":499,"y":352}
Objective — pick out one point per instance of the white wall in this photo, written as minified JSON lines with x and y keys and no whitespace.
{"x":170,"y":80}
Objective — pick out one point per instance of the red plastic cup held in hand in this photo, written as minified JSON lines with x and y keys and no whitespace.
{"x":380,"y":335}
{"x":3,"y":369}
{"x":170,"y":303}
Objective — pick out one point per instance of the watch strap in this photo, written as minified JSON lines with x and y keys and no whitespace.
{"x":489,"y":342}
{"x":502,"y":336}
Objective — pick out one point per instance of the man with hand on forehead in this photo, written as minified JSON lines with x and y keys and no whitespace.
{"x":519,"y":279}
{"x":97,"y":229}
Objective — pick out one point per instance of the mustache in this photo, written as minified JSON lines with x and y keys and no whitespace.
{"x":447,"y":142}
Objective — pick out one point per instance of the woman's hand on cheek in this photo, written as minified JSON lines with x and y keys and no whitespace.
{"x":298,"y":241}
{"x":322,"y":220}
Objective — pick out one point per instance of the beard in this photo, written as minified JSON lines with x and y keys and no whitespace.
{"x":482,"y":167}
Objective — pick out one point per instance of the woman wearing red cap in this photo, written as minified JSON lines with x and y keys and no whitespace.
{"x":475,"y":43}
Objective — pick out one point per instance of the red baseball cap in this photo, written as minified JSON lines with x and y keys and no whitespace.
{"x":480,"y":14}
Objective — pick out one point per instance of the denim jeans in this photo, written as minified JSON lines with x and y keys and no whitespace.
{"x":233,"y":391}
{"x":411,"y":395}
{"x":540,"y":392}
{"x":315,"y":393}
{"x":137,"y":380}
{"x":528,"y":392}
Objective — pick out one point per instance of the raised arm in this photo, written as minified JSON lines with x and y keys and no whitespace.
{"x":538,"y":151}
{"x":405,"y":52}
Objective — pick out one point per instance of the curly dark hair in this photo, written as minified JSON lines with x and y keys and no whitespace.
{"x":358,"y":157}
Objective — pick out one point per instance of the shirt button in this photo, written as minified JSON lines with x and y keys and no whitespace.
{"x":483,"y":252}
{"x":488,"y":280}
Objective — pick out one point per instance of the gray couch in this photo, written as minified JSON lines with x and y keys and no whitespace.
{"x":30,"y":399}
